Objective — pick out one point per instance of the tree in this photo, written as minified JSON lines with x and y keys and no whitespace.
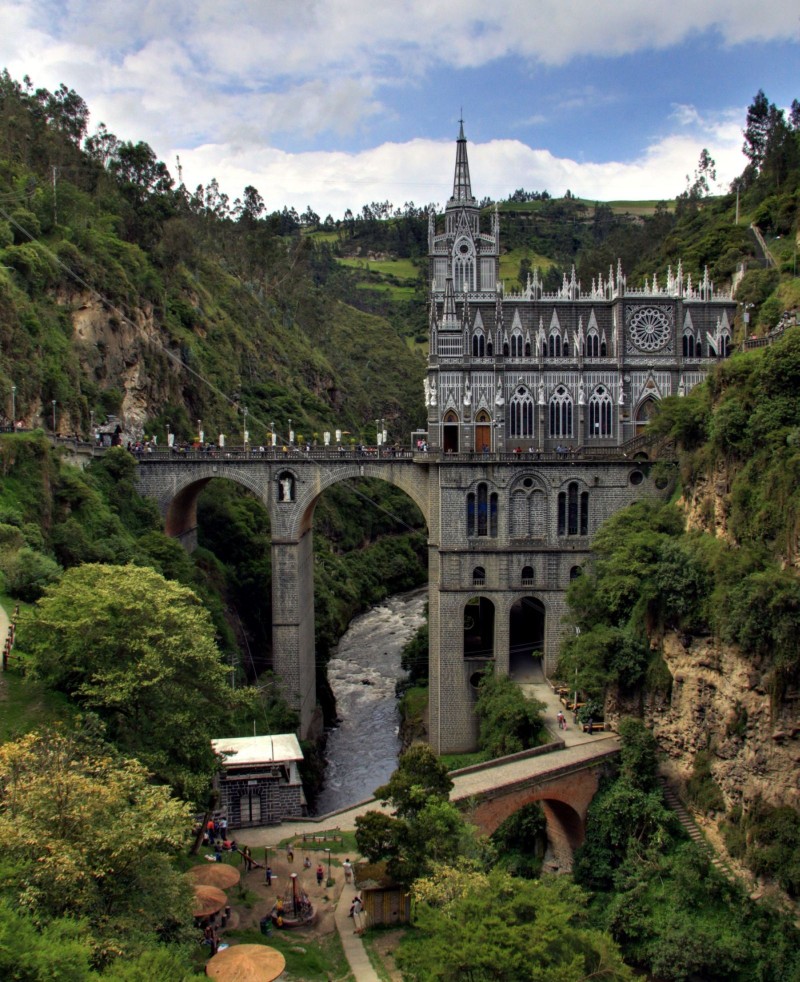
{"x":376,"y":836}
{"x":85,"y":834}
{"x":419,"y":775}
{"x":508,"y":721}
{"x":499,"y":928}
{"x":138,"y":650}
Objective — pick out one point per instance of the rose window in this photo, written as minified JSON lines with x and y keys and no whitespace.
{"x":649,"y":328}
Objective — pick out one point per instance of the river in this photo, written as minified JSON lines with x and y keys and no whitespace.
{"x":362,"y":750}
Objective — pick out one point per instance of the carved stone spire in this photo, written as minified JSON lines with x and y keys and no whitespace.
{"x":462,"y":189}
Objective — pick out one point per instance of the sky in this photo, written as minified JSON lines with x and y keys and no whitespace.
{"x":337,"y":103}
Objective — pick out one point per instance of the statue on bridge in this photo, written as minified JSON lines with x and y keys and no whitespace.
{"x":286,"y":488}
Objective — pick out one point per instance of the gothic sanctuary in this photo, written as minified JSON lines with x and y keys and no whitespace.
{"x":538,"y":405}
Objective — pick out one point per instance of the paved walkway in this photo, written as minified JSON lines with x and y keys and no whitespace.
{"x":571,"y":746}
{"x":354,"y":949}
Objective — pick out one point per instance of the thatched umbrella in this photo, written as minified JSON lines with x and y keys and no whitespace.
{"x":215,"y":875}
{"x":246,"y":963}
{"x":207,"y":901}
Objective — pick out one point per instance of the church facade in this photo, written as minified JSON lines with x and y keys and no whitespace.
{"x":535,"y":402}
{"x":575,"y":368}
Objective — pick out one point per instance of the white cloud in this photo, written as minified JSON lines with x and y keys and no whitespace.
{"x":222,"y":83}
{"x":422,"y":171}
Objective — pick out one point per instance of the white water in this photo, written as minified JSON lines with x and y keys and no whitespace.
{"x":362,"y":751}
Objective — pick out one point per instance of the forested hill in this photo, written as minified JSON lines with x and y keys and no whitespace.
{"x":122,"y":291}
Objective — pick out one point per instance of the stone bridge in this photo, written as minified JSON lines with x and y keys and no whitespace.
{"x":506,"y":532}
{"x":563,"y":780}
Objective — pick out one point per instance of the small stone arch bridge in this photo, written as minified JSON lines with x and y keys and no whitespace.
{"x":563,"y":780}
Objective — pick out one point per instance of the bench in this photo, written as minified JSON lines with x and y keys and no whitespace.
{"x":593,"y":727}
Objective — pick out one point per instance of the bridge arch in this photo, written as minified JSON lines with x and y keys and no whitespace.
{"x":565,"y":800}
{"x":289,"y":486}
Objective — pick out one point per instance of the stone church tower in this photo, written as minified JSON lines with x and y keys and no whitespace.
{"x":538,"y":405}
{"x":578,"y":368}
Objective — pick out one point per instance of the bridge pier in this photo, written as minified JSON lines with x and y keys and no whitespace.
{"x":293,"y":626}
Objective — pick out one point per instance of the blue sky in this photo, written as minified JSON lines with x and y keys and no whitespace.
{"x":335,"y":103}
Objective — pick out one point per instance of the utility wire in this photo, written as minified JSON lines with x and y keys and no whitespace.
{"x":176,"y":359}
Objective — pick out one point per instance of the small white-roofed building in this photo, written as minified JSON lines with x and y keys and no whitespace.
{"x":259,"y":780}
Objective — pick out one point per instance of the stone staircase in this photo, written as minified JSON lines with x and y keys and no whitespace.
{"x":673,"y":802}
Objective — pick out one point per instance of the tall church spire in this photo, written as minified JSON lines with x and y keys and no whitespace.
{"x":462,"y":191}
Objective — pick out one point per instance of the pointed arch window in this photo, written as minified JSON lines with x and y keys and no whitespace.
{"x":565,"y":349}
{"x":517,"y":346}
{"x":688,"y":346}
{"x":527,"y":349}
{"x":573,"y":511}
{"x":600,"y":413}
{"x":592,"y":344}
{"x":555,"y":346}
{"x":482,"y":512}
{"x":478,"y":345}
{"x":521,"y":412}
{"x":561,"y":413}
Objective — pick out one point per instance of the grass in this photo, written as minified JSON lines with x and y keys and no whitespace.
{"x":509,"y":265}
{"x":455,"y":761}
{"x":26,"y":705}
{"x":398,"y":269}
{"x":312,"y":959}
{"x":371,"y":938}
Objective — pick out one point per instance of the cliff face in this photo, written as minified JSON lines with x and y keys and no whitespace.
{"x":720,"y":702}
{"x":111,"y":349}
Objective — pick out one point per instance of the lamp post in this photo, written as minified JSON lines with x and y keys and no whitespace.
{"x":273,"y":436}
{"x":169,"y":435}
{"x":246,"y":434}
{"x":54,"y":415}
{"x":200,"y":433}
{"x":291,"y":433}
{"x":330,"y":879}
{"x":14,"y":406}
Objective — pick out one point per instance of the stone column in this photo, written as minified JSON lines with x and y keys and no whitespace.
{"x":293,"y":652}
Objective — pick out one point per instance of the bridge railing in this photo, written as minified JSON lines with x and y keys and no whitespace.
{"x":292,"y":455}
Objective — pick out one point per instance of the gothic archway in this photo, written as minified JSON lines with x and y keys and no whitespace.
{"x":479,"y":628}
{"x":483,"y":432}
{"x":644,"y":414}
{"x":526,"y":639}
{"x":450,"y":432}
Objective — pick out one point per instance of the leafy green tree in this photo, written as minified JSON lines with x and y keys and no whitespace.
{"x":376,"y":836}
{"x":28,"y":573}
{"x":507,"y":929}
{"x":508,"y":721}
{"x":638,"y":754}
{"x":85,"y":834}
{"x":419,"y":776}
{"x":138,"y":650}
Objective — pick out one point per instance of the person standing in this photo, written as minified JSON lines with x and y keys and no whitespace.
{"x":268,"y":876}
{"x":320,"y":874}
{"x":347,"y":866}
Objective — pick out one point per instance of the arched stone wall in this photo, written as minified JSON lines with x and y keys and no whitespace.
{"x":176,"y":486}
{"x":565,"y":801}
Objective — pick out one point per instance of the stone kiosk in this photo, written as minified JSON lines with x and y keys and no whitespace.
{"x":259,"y":783}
